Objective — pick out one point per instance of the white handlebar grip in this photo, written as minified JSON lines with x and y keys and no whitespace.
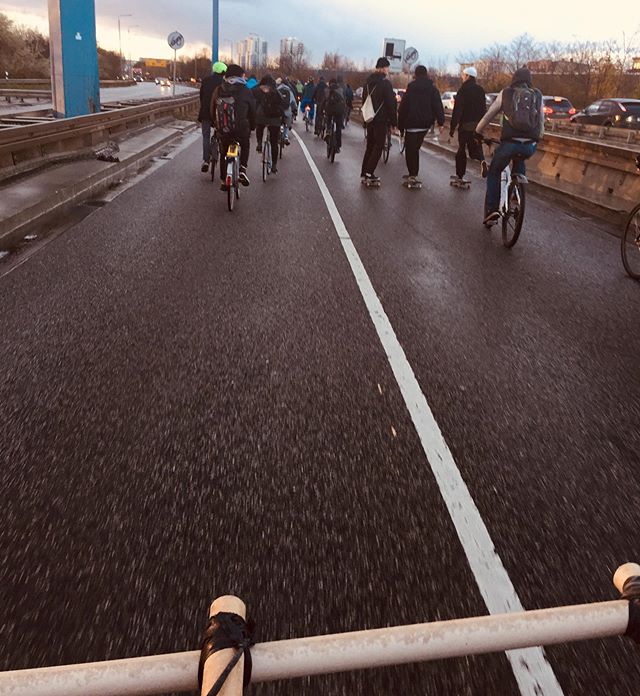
{"x":624,"y":572}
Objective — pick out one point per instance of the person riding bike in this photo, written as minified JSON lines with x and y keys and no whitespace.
{"x":307,"y":100}
{"x":335,"y":106}
{"x":233,"y":110}
{"x":348,"y":97}
{"x":270,"y":112}
{"x":207,"y":88}
{"x":522,"y":128}
{"x":469,"y":107}
{"x":319,"y":98}
{"x":385,"y":106}
{"x":287,"y":97}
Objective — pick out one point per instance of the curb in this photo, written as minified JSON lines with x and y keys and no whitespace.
{"x":12,"y":229}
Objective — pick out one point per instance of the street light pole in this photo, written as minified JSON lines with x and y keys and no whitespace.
{"x":215,"y":37}
{"x":135,"y":26}
{"x":120,"y":39}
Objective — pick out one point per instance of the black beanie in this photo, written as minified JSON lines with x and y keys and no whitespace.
{"x":234,"y":71}
{"x":522,"y":75}
{"x":382,"y":63}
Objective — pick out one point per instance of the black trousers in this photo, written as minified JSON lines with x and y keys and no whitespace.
{"x":412,"y":144}
{"x":376,"y":135}
{"x":225,"y":141}
{"x":274,"y":137}
{"x":466,"y":142}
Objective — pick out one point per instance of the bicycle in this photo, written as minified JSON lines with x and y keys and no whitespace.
{"x":512,"y":201}
{"x":387,"y":145}
{"x":320,"y":124}
{"x":281,"y":142}
{"x":233,"y":173}
{"x":331,"y":139}
{"x":306,"y":118}
{"x":267,"y":161}
{"x":630,"y":246}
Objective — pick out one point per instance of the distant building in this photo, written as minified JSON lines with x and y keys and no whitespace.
{"x":635,"y":64}
{"x":252,"y":52}
{"x":291,"y":47}
{"x":558,"y":67}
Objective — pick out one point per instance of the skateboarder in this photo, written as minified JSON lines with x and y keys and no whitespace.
{"x":468,"y":109}
{"x":420,"y":108}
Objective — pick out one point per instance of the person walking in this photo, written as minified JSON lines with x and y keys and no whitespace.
{"x":385,"y":107}
{"x":207,"y":88}
{"x":469,"y":107}
{"x":420,"y":108}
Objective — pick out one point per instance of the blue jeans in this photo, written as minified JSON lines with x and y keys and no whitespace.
{"x":504,"y":153}
{"x":206,"y":141}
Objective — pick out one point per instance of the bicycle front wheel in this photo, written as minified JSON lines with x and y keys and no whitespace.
{"x":266,"y":159}
{"x":631,"y":244}
{"x":387,"y":148}
{"x":514,"y":216}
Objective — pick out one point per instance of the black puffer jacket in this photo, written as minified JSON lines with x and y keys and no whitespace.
{"x":421,"y":106}
{"x":469,"y":107}
{"x":244,"y":102}
{"x":383,"y":98}
{"x":207,"y":88}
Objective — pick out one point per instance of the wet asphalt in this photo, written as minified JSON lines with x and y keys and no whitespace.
{"x":195,"y":403}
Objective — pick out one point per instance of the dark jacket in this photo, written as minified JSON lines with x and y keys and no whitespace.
{"x":263,"y":118}
{"x":307,"y":92}
{"x":469,"y":107}
{"x":245,"y":105}
{"x":207,"y":88}
{"x":335,"y":103}
{"x":421,"y":105}
{"x":320,"y":93}
{"x":383,"y":98}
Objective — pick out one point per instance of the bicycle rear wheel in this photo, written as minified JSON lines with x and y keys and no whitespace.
{"x":387,"y":147}
{"x":514,"y":216}
{"x":231,"y":197}
{"x":266,"y":159}
{"x":631,"y":244}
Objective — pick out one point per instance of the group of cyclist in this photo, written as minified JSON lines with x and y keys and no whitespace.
{"x":237,"y":107}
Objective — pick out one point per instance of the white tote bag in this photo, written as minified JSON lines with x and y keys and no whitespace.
{"x":368,"y":112}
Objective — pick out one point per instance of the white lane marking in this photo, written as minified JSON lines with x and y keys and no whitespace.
{"x":530,"y":666}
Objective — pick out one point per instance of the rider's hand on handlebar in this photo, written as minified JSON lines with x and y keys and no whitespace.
{"x":478,"y":136}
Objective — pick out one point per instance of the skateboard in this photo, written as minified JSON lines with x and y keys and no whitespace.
{"x":371,"y":184}
{"x":412,"y":184}
{"x":459,"y":183}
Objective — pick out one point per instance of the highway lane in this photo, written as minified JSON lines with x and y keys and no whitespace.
{"x":191,"y":377}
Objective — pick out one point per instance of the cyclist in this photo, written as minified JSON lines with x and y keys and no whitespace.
{"x":319,"y":98}
{"x":348,"y":97}
{"x":270,"y":112}
{"x":335,"y":106}
{"x":386,"y":114}
{"x":207,"y":89}
{"x":522,"y":128}
{"x":307,"y":99}
{"x":420,"y":108}
{"x":243,"y":120}
{"x":288,"y":98}
{"x":469,"y":107}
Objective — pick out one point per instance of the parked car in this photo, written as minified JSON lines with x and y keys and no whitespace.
{"x":557,"y":107}
{"x":490,"y":97}
{"x":448,"y":99}
{"x":622,"y":113}
{"x":399,"y":94}
{"x":163,"y":81}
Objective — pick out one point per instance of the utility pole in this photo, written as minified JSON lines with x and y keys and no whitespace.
{"x":215,"y":37}
{"x":120,"y":41}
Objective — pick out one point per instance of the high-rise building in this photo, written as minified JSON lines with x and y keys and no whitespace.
{"x":291,"y":46}
{"x":252,"y":52}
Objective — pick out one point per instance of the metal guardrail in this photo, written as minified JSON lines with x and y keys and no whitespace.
{"x":22,"y":147}
{"x":22,"y":94}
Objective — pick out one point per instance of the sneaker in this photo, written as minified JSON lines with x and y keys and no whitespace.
{"x":484,"y":169}
{"x":491,"y":218}
{"x":243,"y":178}
{"x":454,"y":177}
{"x":337,"y":150}
{"x":287,"y":142}
{"x":223,"y":186}
{"x":407,"y":176}
{"x":259,"y":147}
{"x":274,"y":169}
{"x":372,"y":178}
{"x":204,"y":167}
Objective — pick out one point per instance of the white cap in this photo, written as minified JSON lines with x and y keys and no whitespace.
{"x":471,"y":71}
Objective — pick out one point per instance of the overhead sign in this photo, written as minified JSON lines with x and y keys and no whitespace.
{"x":155,"y":63}
{"x":175,"y":40}
{"x":411,"y":56}
{"x":393,"y":51}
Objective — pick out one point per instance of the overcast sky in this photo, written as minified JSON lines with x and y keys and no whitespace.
{"x":440,"y":31}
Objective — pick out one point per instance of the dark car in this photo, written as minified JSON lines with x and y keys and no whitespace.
{"x":557,"y":107}
{"x":622,"y":113}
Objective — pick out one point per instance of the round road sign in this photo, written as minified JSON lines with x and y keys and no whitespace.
{"x":411,"y":56}
{"x":175,"y":40}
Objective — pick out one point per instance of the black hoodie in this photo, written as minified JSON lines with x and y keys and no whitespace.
{"x":383,"y":98}
{"x":245,"y":105}
{"x":469,"y":107}
{"x":421,"y":106}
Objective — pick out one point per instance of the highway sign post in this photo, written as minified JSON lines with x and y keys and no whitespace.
{"x":175,"y":41}
{"x":393,"y":51}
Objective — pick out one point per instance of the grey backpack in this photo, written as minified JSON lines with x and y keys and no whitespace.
{"x":523,"y":112}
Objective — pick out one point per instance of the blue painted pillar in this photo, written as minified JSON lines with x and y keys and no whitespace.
{"x":215,"y":38}
{"x":74,"y":57}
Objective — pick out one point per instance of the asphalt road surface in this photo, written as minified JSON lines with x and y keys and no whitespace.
{"x":195,"y":403}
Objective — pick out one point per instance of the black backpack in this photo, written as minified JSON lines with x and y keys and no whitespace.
{"x":285,"y":97}
{"x":335,"y":103}
{"x":226,"y":115}
{"x":272,"y":104}
{"x":523,"y":113}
